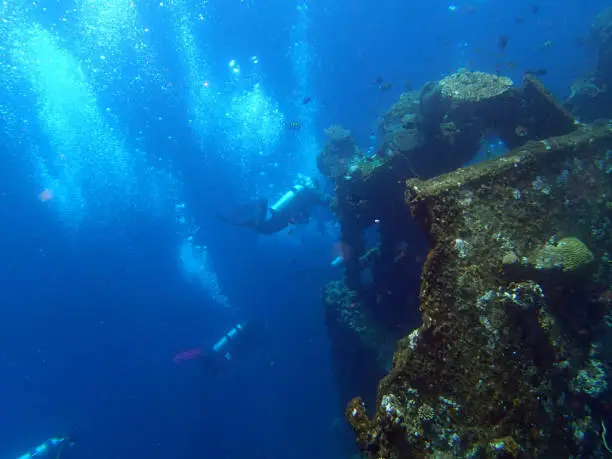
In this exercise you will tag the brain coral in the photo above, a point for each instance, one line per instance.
(569, 254)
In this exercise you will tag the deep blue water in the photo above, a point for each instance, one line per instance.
(93, 313)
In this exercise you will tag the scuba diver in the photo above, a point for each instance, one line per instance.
(241, 337)
(51, 448)
(292, 208)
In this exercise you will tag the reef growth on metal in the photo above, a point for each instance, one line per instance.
(512, 357)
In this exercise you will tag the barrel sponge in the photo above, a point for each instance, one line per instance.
(570, 254)
(465, 86)
(338, 152)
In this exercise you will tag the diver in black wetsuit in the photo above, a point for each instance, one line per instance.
(243, 336)
(292, 208)
(56, 447)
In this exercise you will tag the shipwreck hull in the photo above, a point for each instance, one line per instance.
(511, 359)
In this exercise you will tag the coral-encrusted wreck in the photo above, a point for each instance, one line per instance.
(512, 355)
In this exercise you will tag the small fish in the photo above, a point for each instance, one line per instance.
(408, 85)
(536, 72)
(519, 20)
(184, 356)
(306, 100)
(502, 42)
(382, 84)
(46, 195)
(580, 41)
(294, 125)
(535, 9)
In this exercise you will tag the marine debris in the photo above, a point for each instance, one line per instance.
(510, 355)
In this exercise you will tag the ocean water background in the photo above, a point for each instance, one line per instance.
(126, 128)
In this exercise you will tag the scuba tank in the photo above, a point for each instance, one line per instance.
(44, 448)
(286, 199)
(220, 347)
(337, 261)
